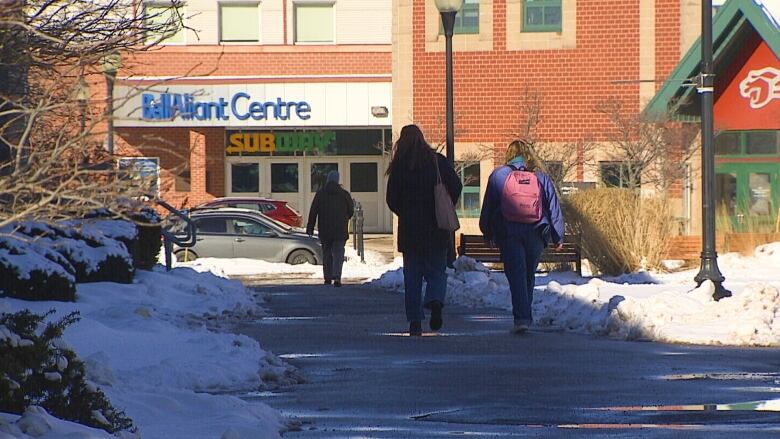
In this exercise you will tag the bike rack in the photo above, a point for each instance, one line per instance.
(169, 238)
(357, 231)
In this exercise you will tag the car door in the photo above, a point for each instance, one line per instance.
(212, 238)
(256, 240)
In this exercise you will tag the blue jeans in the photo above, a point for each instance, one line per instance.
(520, 254)
(431, 267)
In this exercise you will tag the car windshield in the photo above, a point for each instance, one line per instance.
(283, 226)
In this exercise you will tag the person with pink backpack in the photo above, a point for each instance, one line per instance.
(522, 216)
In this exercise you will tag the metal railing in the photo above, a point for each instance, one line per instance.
(357, 231)
(169, 238)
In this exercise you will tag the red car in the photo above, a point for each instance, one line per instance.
(279, 210)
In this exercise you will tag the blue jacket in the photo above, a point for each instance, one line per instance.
(495, 228)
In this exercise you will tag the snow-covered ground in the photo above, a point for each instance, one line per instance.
(650, 306)
(147, 346)
(353, 269)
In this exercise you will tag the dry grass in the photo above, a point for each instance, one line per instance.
(621, 231)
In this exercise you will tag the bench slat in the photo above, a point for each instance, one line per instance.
(474, 246)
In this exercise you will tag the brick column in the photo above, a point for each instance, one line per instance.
(197, 164)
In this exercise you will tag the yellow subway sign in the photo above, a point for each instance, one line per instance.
(249, 143)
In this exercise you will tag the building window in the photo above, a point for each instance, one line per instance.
(765, 143)
(618, 174)
(363, 177)
(314, 23)
(143, 172)
(555, 171)
(319, 174)
(244, 177)
(542, 16)
(164, 23)
(284, 178)
(466, 20)
(468, 204)
(239, 22)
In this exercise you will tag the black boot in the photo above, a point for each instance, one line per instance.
(336, 283)
(328, 281)
(436, 320)
(415, 328)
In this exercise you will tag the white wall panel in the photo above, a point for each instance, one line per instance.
(336, 99)
(363, 21)
(357, 103)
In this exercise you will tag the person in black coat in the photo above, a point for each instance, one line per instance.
(333, 206)
(411, 178)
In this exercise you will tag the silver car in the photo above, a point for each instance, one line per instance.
(245, 233)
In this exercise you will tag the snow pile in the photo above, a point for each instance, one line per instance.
(37, 423)
(148, 346)
(373, 267)
(660, 307)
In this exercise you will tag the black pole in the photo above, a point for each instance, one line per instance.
(448, 22)
(110, 111)
(706, 87)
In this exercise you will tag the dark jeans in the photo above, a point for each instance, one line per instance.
(333, 259)
(520, 254)
(430, 266)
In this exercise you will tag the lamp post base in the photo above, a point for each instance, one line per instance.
(709, 271)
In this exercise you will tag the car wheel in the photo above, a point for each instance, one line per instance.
(185, 255)
(301, 257)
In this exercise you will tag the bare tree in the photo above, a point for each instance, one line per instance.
(52, 161)
(645, 152)
(559, 160)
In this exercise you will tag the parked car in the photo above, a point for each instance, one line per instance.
(245, 233)
(279, 210)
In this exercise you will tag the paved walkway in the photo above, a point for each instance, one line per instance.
(364, 378)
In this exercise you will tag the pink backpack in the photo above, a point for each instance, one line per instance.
(521, 200)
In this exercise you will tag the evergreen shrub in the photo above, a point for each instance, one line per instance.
(32, 272)
(35, 369)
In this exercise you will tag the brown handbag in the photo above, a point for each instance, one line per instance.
(446, 218)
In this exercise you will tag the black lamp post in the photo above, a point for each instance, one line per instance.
(706, 87)
(110, 65)
(448, 9)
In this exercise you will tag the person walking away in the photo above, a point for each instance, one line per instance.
(412, 175)
(331, 210)
(522, 216)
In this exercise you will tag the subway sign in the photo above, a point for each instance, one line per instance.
(284, 141)
(241, 106)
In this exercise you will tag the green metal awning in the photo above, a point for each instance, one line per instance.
(733, 25)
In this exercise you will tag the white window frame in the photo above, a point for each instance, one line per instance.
(240, 3)
(159, 3)
(295, 4)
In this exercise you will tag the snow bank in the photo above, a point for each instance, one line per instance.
(642, 305)
(148, 346)
(373, 267)
(37, 423)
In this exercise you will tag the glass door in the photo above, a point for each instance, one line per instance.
(748, 196)
(284, 183)
(242, 176)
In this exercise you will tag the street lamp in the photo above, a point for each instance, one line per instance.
(706, 88)
(82, 96)
(448, 9)
(110, 64)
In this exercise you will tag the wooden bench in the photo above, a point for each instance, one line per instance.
(474, 247)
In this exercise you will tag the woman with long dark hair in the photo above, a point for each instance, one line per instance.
(412, 175)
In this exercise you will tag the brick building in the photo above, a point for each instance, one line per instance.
(571, 54)
(253, 98)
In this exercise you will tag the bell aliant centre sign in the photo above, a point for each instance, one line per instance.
(170, 106)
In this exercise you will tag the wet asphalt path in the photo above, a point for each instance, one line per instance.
(365, 379)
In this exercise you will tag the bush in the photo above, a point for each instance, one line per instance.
(31, 272)
(145, 244)
(621, 230)
(94, 259)
(35, 370)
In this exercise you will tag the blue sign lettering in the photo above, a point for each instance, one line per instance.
(169, 106)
